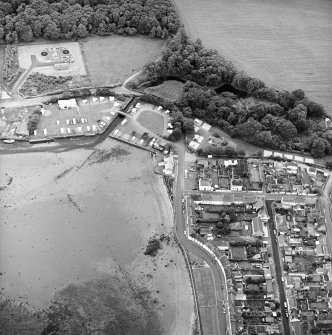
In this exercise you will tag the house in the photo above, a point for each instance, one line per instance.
(292, 168)
(65, 104)
(290, 201)
(262, 214)
(230, 162)
(281, 224)
(236, 184)
(169, 164)
(205, 231)
(257, 227)
(198, 122)
(205, 185)
(204, 163)
(312, 171)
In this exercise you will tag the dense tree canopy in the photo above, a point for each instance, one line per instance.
(24, 20)
(282, 123)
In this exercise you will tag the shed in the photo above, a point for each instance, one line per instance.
(65, 104)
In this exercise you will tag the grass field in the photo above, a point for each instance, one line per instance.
(114, 58)
(152, 121)
(285, 43)
(205, 289)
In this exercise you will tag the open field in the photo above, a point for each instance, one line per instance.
(40, 63)
(74, 227)
(286, 44)
(151, 120)
(114, 58)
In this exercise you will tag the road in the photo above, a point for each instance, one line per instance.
(326, 202)
(180, 227)
(278, 268)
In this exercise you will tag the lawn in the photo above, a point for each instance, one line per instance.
(152, 121)
(206, 297)
(170, 90)
(112, 59)
(285, 43)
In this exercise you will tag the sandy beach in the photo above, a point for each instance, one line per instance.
(78, 220)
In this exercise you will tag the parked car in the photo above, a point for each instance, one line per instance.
(222, 287)
(224, 310)
(78, 120)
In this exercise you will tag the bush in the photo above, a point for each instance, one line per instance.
(33, 120)
(38, 83)
(328, 165)
(10, 69)
(152, 247)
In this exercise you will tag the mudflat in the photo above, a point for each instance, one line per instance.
(74, 228)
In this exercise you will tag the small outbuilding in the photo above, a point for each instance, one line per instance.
(65, 104)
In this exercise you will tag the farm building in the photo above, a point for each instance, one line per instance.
(65, 104)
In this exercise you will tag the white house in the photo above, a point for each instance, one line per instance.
(292, 168)
(205, 185)
(230, 162)
(198, 122)
(65, 104)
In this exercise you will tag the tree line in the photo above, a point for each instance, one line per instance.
(277, 119)
(25, 20)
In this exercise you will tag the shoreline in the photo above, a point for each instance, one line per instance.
(99, 246)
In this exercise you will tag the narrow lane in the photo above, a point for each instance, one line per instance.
(279, 270)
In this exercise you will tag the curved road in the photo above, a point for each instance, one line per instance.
(180, 227)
